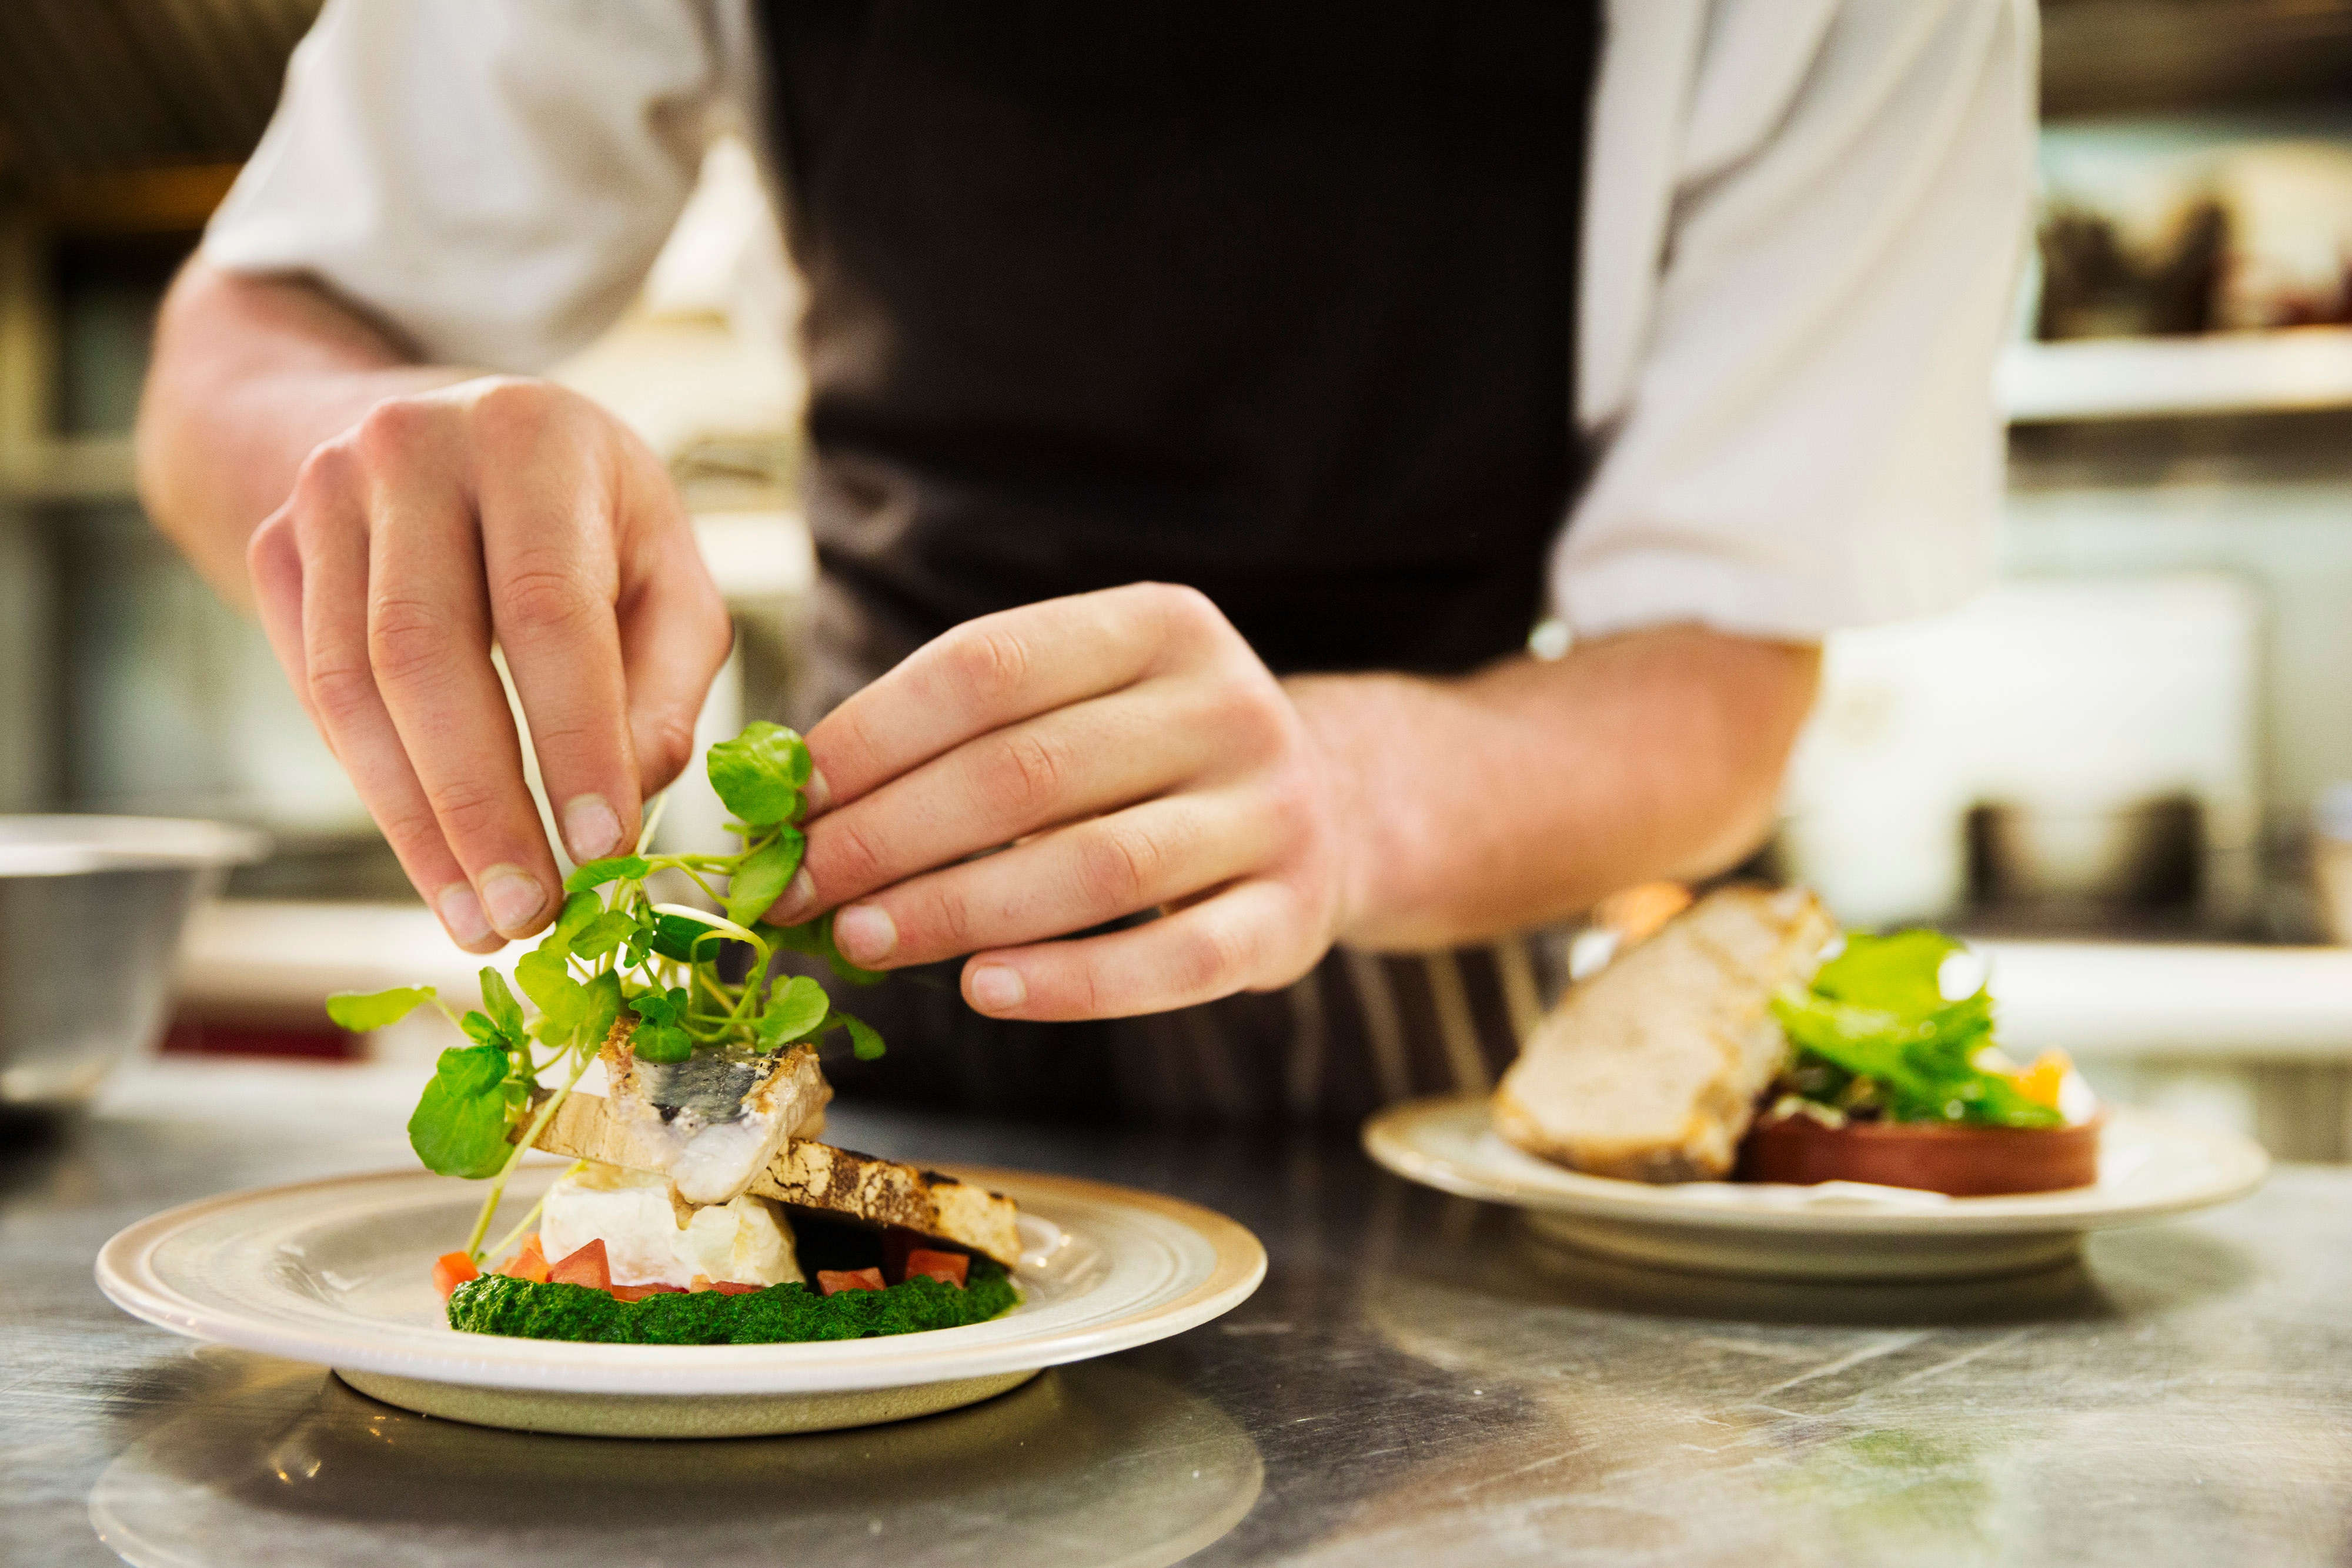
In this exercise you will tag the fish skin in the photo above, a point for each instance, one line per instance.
(711, 1124)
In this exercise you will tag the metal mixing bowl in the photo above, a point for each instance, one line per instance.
(91, 914)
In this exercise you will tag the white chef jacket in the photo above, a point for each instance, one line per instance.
(1804, 223)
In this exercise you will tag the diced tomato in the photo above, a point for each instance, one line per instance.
(947, 1268)
(528, 1263)
(585, 1267)
(452, 1270)
(724, 1287)
(832, 1281)
(639, 1292)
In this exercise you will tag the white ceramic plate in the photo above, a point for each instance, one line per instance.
(338, 1274)
(2149, 1167)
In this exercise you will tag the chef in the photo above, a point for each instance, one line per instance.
(1207, 403)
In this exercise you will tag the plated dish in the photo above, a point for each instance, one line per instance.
(337, 1274)
(1746, 1038)
(1747, 1090)
(2150, 1167)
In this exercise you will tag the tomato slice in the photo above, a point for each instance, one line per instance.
(947, 1268)
(585, 1267)
(832, 1281)
(452, 1270)
(528, 1263)
(724, 1287)
(639, 1292)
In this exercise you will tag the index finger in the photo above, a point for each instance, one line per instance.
(547, 550)
(986, 673)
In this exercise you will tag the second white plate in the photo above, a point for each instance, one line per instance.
(2149, 1167)
(338, 1274)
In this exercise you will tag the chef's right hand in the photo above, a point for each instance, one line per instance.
(508, 510)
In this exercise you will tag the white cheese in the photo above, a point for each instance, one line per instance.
(744, 1240)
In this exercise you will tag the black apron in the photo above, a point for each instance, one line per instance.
(1275, 299)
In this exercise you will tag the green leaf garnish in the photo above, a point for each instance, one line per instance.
(658, 1035)
(544, 974)
(863, 1041)
(363, 1012)
(795, 1010)
(674, 936)
(578, 909)
(459, 1127)
(499, 1002)
(763, 877)
(759, 774)
(1897, 974)
(596, 874)
(608, 933)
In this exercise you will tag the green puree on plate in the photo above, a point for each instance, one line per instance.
(779, 1314)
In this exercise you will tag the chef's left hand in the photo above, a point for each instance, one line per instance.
(1135, 755)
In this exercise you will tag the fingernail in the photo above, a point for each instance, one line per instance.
(997, 989)
(817, 793)
(799, 899)
(591, 829)
(461, 912)
(864, 933)
(513, 897)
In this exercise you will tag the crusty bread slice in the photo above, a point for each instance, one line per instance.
(806, 1175)
(1650, 1069)
(818, 1179)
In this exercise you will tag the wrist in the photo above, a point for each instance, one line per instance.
(1350, 727)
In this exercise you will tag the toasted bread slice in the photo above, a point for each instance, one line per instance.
(1650, 1069)
(818, 1179)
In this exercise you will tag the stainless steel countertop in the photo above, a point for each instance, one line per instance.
(1420, 1381)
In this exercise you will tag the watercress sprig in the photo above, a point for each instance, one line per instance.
(615, 953)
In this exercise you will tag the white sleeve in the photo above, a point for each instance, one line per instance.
(491, 178)
(1808, 438)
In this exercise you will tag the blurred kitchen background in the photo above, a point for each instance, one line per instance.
(2129, 769)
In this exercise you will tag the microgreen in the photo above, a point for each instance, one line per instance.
(1874, 1029)
(613, 954)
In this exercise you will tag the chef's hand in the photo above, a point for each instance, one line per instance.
(494, 509)
(1135, 755)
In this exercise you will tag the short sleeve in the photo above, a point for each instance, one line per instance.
(490, 178)
(1810, 440)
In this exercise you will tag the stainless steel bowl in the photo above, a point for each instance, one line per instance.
(91, 914)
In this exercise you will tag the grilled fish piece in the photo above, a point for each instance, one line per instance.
(710, 1122)
(805, 1176)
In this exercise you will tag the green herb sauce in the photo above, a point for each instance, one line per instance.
(780, 1314)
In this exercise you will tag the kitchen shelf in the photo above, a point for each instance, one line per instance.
(2108, 1000)
(2131, 378)
(76, 469)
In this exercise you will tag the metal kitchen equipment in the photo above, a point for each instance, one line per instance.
(91, 914)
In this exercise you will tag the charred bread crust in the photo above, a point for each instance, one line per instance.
(842, 1184)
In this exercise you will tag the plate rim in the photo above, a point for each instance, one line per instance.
(1384, 1140)
(125, 1275)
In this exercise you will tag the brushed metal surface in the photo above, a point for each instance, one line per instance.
(1421, 1380)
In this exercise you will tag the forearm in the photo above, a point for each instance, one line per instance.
(249, 374)
(1529, 791)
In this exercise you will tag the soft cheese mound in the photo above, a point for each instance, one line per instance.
(652, 1240)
